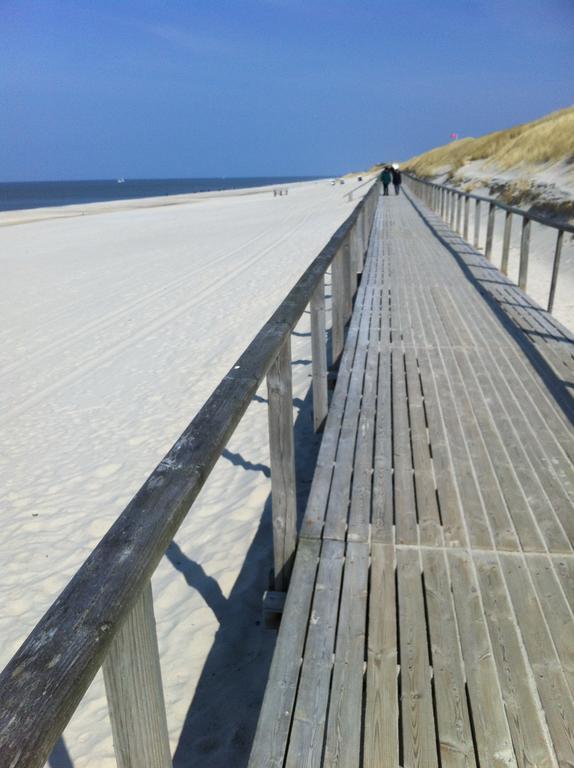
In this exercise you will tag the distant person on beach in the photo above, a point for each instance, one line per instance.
(397, 180)
(386, 177)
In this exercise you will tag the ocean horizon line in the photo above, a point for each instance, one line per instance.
(25, 195)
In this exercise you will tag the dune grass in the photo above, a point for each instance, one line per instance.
(545, 141)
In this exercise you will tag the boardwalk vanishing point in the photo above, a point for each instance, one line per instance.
(429, 619)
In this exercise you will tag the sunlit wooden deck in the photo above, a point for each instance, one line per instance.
(429, 619)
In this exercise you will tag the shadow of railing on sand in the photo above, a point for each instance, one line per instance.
(235, 672)
(60, 757)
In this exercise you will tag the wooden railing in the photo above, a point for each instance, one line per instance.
(104, 616)
(453, 205)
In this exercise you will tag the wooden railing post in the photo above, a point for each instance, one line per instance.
(476, 239)
(359, 234)
(132, 677)
(442, 202)
(466, 216)
(555, 268)
(319, 355)
(506, 243)
(282, 454)
(524, 253)
(347, 278)
(337, 307)
(452, 208)
(356, 263)
(458, 212)
(490, 231)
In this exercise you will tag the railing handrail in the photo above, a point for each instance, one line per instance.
(511, 209)
(351, 192)
(42, 685)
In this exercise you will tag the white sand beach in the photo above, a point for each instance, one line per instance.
(118, 322)
(117, 325)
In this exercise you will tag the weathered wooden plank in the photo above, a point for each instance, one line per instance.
(343, 737)
(134, 690)
(493, 740)
(313, 521)
(381, 745)
(520, 441)
(552, 687)
(282, 454)
(474, 514)
(382, 522)
(564, 567)
(453, 722)
(418, 727)
(359, 513)
(525, 715)
(534, 397)
(501, 523)
(336, 518)
(486, 411)
(404, 498)
(556, 611)
(307, 732)
(450, 505)
(270, 742)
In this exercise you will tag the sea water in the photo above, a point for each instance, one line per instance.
(19, 195)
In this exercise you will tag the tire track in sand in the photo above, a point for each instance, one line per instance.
(65, 339)
(90, 361)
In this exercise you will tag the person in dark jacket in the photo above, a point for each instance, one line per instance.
(396, 174)
(386, 177)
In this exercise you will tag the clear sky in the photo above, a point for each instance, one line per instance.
(182, 88)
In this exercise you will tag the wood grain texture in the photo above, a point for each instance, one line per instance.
(132, 677)
(270, 742)
(319, 355)
(382, 698)
(282, 454)
(343, 736)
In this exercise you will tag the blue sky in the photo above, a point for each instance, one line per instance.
(182, 88)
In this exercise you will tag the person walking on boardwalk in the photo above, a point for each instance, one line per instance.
(386, 179)
(397, 180)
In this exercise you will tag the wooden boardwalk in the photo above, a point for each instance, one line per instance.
(430, 616)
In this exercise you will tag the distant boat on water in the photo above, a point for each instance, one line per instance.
(121, 181)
